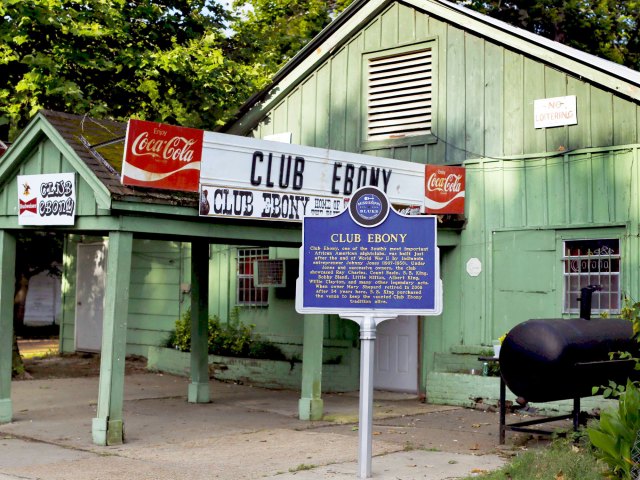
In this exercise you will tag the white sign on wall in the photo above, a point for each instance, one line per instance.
(244, 177)
(555, 112)
(48, 199)
(474, 267)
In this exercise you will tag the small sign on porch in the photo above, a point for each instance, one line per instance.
(48, 199)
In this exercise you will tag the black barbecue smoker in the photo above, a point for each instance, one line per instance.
(544, 360)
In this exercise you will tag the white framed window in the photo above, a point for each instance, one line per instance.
(247, 293)
(592, 262)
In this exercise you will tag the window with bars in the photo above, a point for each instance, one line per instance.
(246, 291)
(399, 94)
(592, 262)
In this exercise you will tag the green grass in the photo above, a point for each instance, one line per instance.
(301, 467)
(561, 460)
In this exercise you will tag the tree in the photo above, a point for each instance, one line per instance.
(36, 252)
(160, 60)
(606, 28)
(268, 33)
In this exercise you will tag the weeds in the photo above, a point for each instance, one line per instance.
(301, 467)
(563, 459)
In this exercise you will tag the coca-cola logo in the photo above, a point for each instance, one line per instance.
(444, 189)
(447, 184)
(175, 148)
(162, 156)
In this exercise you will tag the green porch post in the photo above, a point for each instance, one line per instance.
(310, 405)
(7, 285)
(199, 386)
(107, 427)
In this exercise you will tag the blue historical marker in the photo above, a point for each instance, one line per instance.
(369, 264)
(369, 258)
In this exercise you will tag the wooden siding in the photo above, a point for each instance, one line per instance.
(519, 211)
(484, 104)
(155, 300)
(155, 297)
(47, 158)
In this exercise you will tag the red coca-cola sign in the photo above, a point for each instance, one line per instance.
(444, 189)
(162, 156)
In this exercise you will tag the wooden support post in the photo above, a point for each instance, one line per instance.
(199, 386)
(107, 427)
(7, 286)
(310, 405)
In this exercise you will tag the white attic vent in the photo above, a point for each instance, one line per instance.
(399, 95)
(269, 273)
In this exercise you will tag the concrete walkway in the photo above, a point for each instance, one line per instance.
(245, 433)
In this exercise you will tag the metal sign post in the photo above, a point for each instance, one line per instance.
(369, 264)
(368, 326)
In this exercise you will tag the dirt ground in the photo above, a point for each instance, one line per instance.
(73, 365)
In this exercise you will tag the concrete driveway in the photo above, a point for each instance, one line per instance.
(244, 433)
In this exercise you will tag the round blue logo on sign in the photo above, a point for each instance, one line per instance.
(369, 207)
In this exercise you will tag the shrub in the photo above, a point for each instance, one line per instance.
(615, 434)
(225, 340)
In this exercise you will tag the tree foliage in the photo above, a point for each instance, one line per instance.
(193, 62)
(268, 33)
(160, 60)
(606, 28)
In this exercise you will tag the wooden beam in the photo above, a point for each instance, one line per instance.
(108, 425)
(7, 282)
(310, 405)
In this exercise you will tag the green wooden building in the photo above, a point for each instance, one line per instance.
(548, 208)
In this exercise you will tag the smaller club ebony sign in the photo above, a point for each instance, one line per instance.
(48, 199)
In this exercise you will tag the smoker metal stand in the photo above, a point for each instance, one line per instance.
(523, 426)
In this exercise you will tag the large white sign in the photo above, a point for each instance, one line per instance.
(555, 112)
(248, 178)
(48, 199)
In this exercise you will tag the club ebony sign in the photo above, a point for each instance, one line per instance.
(258, 179)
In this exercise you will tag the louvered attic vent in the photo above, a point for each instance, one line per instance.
(399, 95)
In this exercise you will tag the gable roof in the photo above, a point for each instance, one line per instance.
(95, 149)
(607, 74)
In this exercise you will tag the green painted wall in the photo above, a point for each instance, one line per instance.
(156, 299)
(527, 189)
(484, 98)
(156, 296)
(278, 321)
(46, 158)
(519, 213)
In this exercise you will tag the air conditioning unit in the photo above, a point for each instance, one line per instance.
(269, 273)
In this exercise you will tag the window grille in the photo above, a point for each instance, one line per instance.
(592, 262)
(246, 291)
(399, 95)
